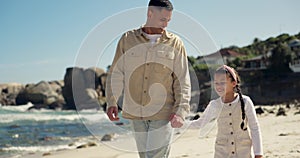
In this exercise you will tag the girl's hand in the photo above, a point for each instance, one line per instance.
(258, 156)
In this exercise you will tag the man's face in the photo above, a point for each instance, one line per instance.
(159, 18)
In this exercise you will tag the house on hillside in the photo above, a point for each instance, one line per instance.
(259, 62)
(220, 57)
(295, 46)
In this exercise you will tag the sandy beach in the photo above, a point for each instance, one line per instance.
(281, 139)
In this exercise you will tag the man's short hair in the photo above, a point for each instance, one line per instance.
(166, 4)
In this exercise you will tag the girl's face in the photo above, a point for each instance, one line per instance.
(223, 84)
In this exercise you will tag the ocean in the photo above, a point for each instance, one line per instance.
(24, 132)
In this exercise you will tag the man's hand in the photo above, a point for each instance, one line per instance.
(112, 113)
(176, 121)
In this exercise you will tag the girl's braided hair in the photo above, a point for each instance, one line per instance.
(235, 77)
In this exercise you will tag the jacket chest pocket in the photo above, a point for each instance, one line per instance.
(133, 60)
(164, 61)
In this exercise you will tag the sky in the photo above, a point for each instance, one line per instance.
(39, 39)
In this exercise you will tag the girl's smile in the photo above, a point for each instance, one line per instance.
(224, 87)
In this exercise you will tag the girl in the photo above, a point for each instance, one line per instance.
(234, 113)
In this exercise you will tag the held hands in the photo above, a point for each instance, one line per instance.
(176, 121)
(112, 113)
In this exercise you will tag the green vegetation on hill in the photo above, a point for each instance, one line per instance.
(279, 61)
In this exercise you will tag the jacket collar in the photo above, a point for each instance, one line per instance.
(165, 34)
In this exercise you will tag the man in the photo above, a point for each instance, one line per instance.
(150, 70)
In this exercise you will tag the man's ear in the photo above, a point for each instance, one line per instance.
(149, 13)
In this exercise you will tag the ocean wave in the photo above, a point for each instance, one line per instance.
(20, 108)
(95, 117)
(8, 118)
(37, 148)
(63, 143)
(11, 114)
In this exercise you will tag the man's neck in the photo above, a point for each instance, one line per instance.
(152, 30)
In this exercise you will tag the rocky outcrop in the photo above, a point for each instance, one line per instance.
(42, 95)
(9, 92)
(269, 89)
(84, 88)
(80, 89)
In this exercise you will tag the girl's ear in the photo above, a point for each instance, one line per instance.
(234, 83)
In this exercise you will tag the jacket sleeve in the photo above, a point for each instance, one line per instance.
(182, 84)
(254, 127)
(208, 120)
(115, 78)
